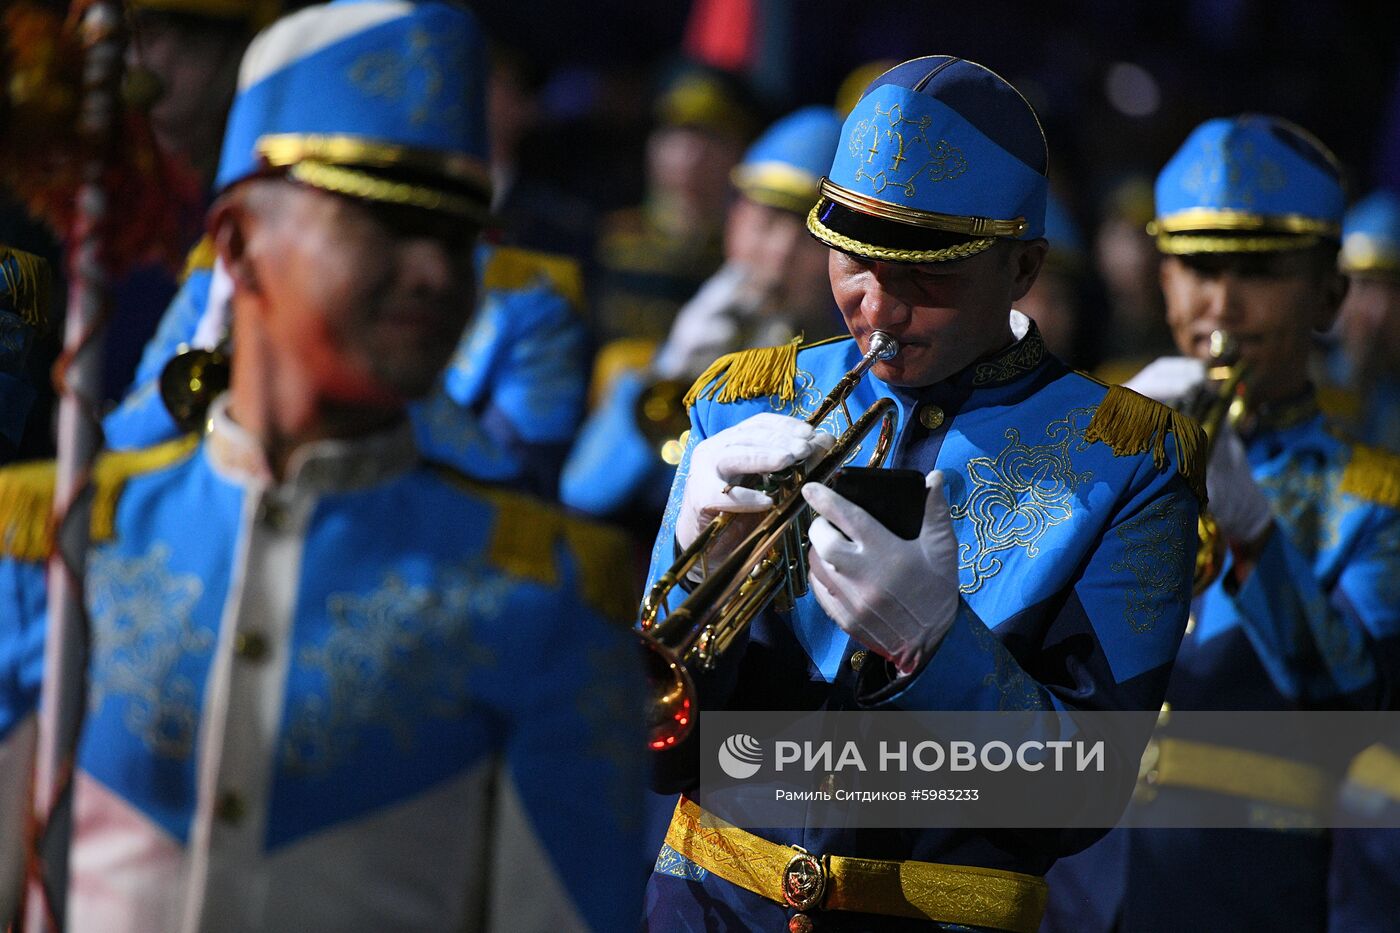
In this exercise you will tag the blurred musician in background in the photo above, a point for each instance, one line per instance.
(1305, 613)
(333, 684)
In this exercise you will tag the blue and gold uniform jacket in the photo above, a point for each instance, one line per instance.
(339, 702)
(1075, 523)
(505, 410)
(1315, 625)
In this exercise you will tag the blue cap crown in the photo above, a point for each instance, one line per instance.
(1066, 243)
(347, 92)
(784, 166)
(1371, 236)
(1250, 183)
(941, 144)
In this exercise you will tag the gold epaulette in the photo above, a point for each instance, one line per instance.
(1372, 474)
(1130, 423)
(27, 490)
(513, 268)
(29, 282)
(527, 533)
(1338, 404)
(200, 257)
(747, 374)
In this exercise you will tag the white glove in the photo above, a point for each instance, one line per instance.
(897, 597)
(1239, 507)
(764, 443)
(1168, 378)
(706, 327)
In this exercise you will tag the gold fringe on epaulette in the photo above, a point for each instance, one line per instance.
(202, 256)
(749, 374)
(29, 281)
(525, 540)
(27, 491)
(1373, 475)
(604, 560)
(513, 268)
(1130, 423)
(26, 501)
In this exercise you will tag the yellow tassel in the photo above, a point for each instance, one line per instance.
(512, 269)
(1130, 423)
(1372, 474)
(29, 282)
(27, 491)
(26, 501)
(201, 257)
(604, 560)
(749, 374)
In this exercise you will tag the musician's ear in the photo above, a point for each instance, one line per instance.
(229, 226)
(1027, 258)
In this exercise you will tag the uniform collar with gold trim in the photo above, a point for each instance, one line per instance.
(1272, 417)
(336, 465)
(988, 380)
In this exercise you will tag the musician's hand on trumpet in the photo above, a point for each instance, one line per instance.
(765, 443)
(897, 597)
(1240, 510)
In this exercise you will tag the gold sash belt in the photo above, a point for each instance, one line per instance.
(1237, 772)
(985, 897)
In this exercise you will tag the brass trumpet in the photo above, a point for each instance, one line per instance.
(769, 564)
(190, 382)
(1220, 401)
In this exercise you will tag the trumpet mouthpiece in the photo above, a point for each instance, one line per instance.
(883, 345)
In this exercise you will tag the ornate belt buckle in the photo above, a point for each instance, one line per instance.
(804, 880)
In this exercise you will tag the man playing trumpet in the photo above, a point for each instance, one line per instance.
(1030, 584)
(1305, 614)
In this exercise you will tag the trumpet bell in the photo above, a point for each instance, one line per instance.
(662, 418)
(670, 709)
(190, 382)
(1210, 553)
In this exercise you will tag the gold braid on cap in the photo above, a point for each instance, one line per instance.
(280, 150)
(1180, 244)
(1213, 218)
(885, 254)
(368, 187)
(932, 220)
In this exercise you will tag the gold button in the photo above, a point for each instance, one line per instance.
(858, 659)
(229, 807)
(250, 646)
(828, 784)
(800, 923)
(931, 417)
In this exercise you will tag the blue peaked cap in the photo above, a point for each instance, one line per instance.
(1251, 183)
(1371, 236)
(940, 157)
(378, 99)
(1066, 243)
(784, 166)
